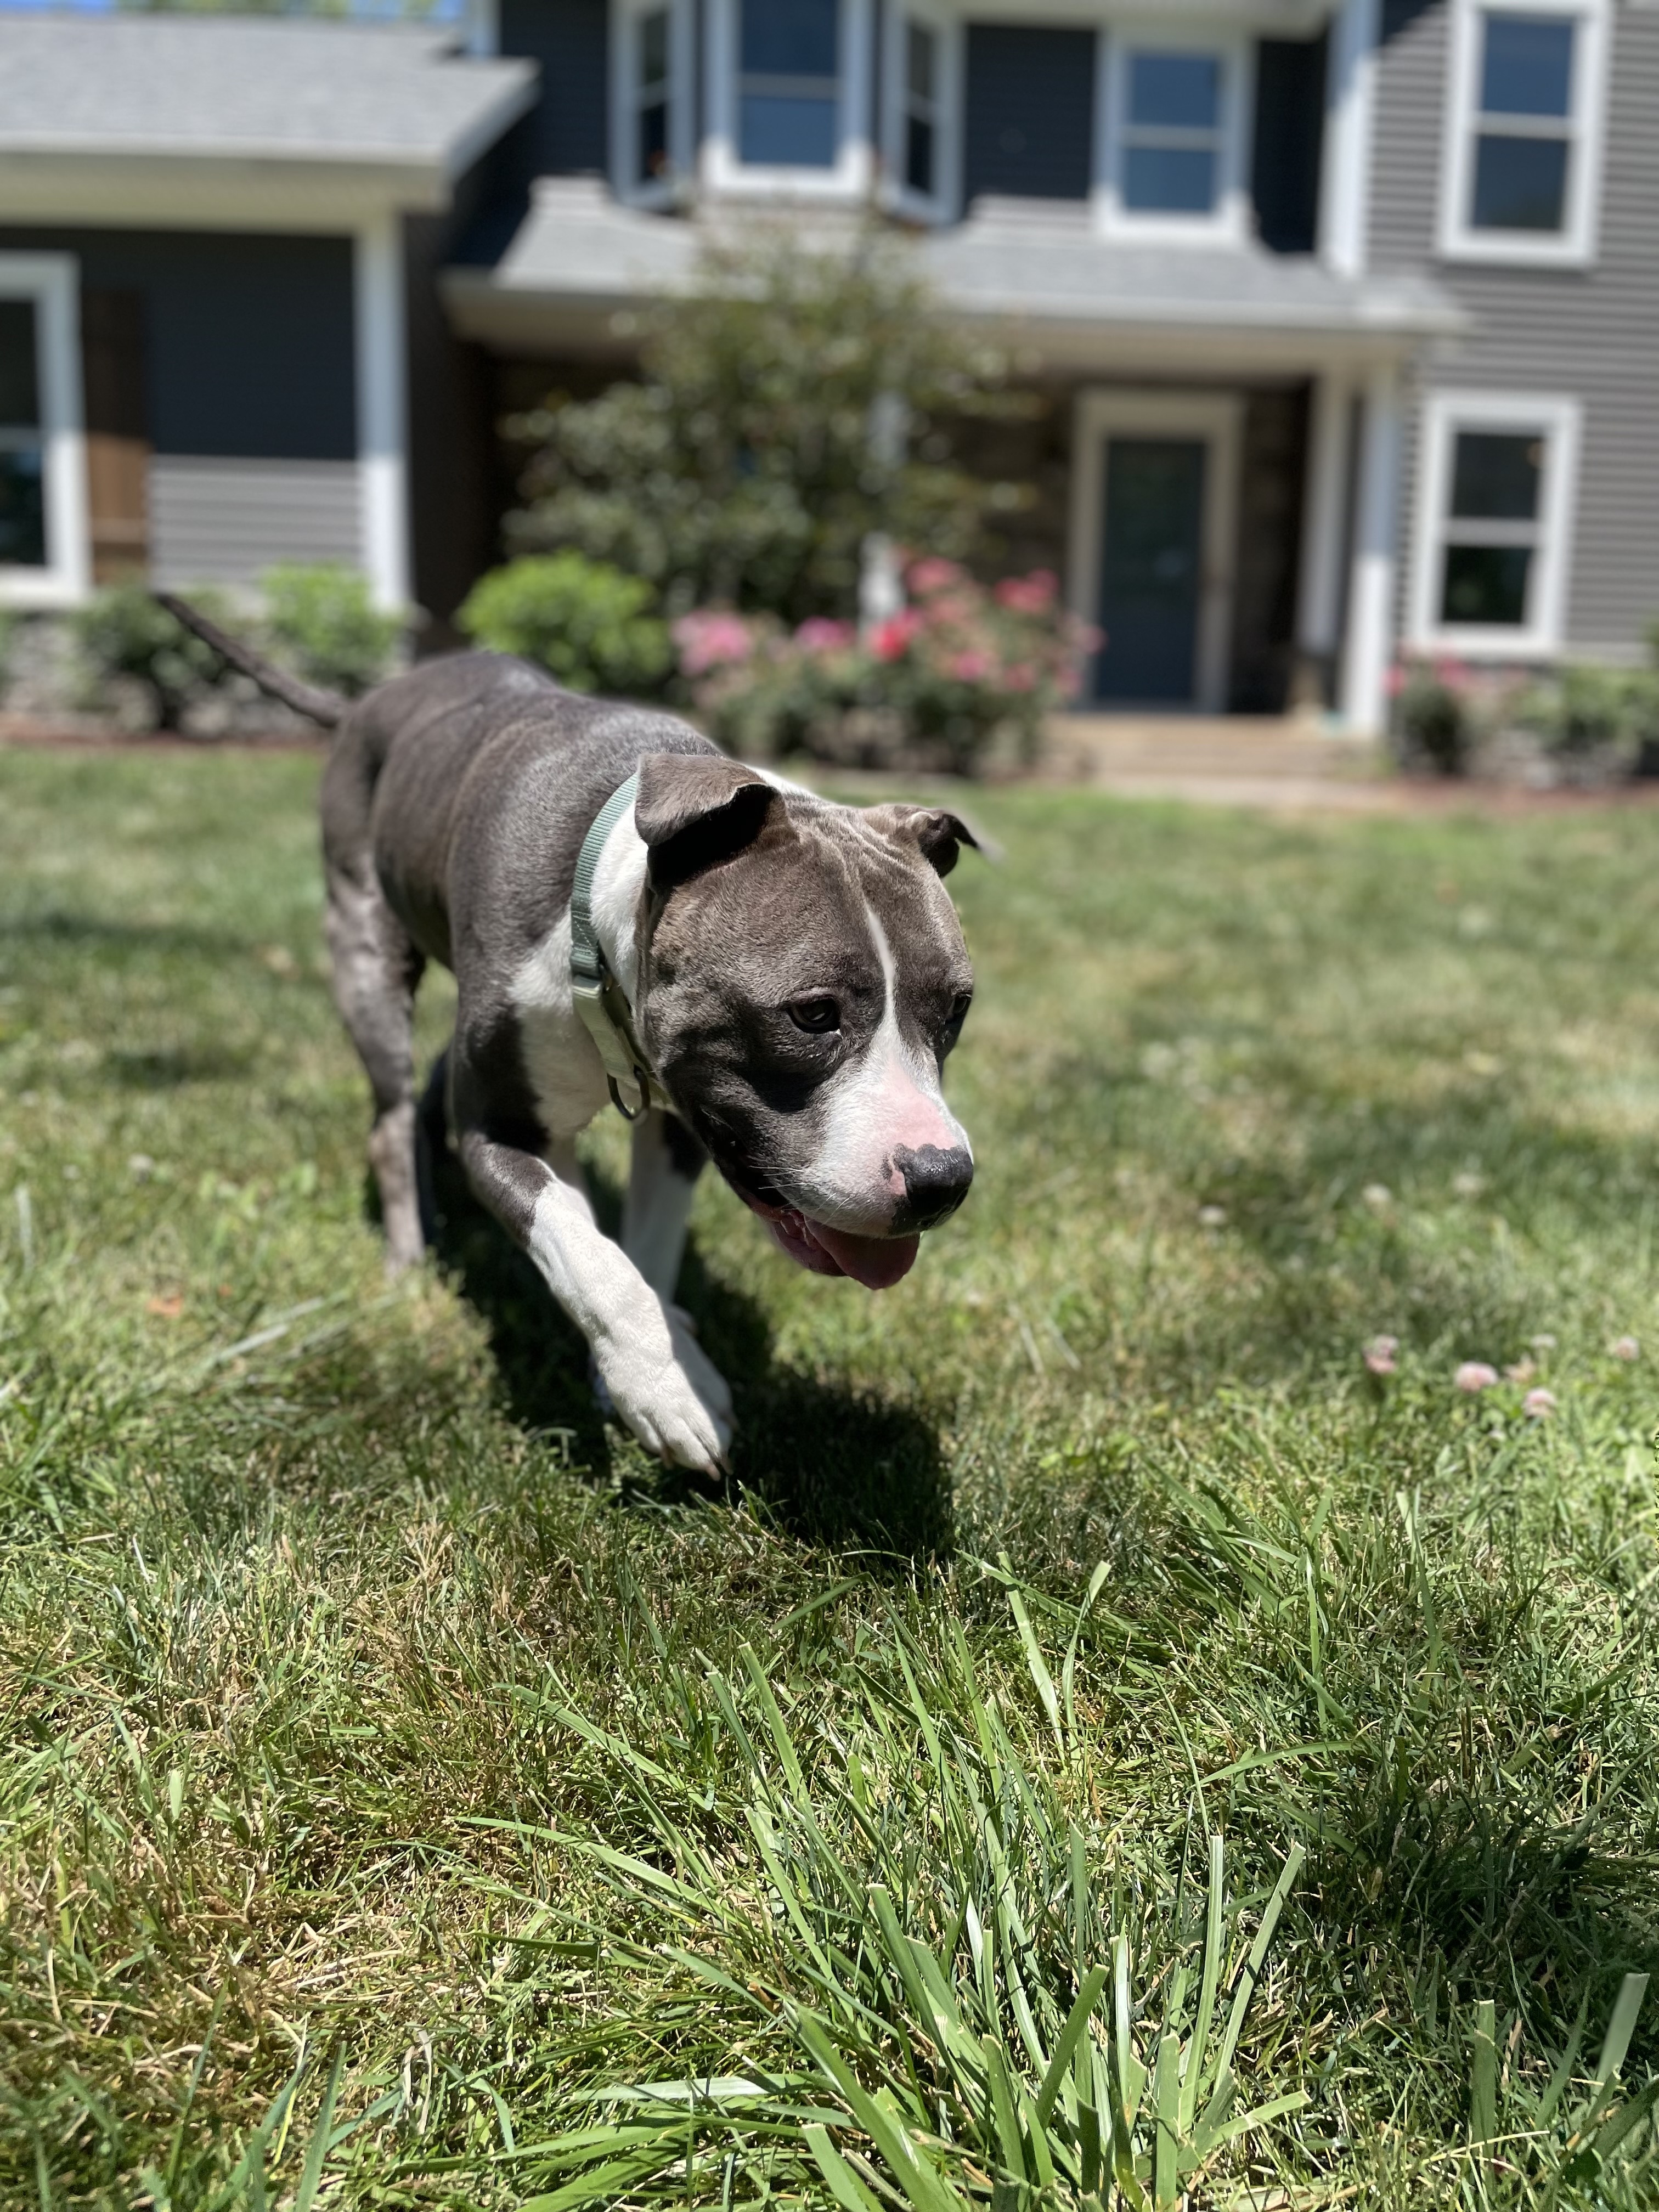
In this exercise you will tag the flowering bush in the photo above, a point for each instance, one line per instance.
(933, 686)
(1432, 715)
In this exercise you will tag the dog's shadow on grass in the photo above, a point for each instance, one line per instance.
(832, 1465)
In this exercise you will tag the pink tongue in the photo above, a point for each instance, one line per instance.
(878, 1262)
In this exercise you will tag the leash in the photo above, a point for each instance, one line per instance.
(601, 998)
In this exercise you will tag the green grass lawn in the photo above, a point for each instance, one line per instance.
(1104, 1713)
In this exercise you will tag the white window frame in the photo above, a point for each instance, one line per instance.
(625, 88)
(723, 169)
(1216, 418)
(942, 203)
(1557, 417)
(1229, 221)
(1574, 245)
(52, 282)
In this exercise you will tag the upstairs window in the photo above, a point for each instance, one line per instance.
(1174, 153)
(1495, 522)
(921, 108)
(1522, 159)
(788, 91)
(922, 77)
(788, 84)
(651, 55)
(1172, 134)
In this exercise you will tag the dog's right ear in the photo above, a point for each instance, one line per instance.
(696, 809)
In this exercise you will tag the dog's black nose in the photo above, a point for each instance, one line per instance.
(935, 1183)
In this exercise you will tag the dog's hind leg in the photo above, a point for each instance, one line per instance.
(377, 968)
(662, 1175)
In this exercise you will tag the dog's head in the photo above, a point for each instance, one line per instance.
(803, 977)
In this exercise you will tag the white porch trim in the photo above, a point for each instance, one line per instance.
(1319, 586)
(1350, 103)
(382, 409)
(1369, 645)
(1212, 417)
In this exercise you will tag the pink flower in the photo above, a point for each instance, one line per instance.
(1626, 1347)
(1475, 1374)
(1451, 673)
(819, 634)
(1539, 1404)
(1029, 595)
(1020, 676)
(969, 667)
(707, 640)
(892, 640)
(1379, 1354)
(932, 574)
(1397, 680)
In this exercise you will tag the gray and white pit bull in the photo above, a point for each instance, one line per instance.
(793, 975)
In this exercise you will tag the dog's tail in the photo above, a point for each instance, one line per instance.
(324, 707)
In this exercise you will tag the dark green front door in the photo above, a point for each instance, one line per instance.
(1151, 570)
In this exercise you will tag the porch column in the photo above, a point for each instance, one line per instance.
(1319, 587)
(382, 461)
(1371, 587)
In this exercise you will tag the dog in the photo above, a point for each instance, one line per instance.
(752, 973)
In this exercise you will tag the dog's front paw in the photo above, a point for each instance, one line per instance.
(677, 1406)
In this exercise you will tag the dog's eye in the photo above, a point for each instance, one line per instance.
(816, 1015)
(959, 1006)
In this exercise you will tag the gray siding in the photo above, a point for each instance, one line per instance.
(249, 339)
(1593, 333)
(228, 520)
(1028, 125)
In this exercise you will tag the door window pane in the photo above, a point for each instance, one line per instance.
(919, 155)
(1519, 184)
(1180, 90)
(1151, 570)
(920, 107)
(1526, 66)
(788, 86)
(20, 390)
(1496, 476)
(1486, 585)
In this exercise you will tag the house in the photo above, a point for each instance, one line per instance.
(1336, 314)
(219, 341)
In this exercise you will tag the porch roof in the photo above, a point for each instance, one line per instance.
(90, 104)
(581, 262)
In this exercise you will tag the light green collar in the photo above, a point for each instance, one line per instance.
(600, 999)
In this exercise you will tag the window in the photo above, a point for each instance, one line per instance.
(651, 121)
(1172, 134)
(922, 71)
(22, 439)
(788, 86)
(1174, 156)
(43, 501)
(1520, 172)
(1495, 518)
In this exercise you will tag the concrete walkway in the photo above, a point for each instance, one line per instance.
(1227, 760)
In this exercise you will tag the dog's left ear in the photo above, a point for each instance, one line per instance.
(940, 835)
(696, 809)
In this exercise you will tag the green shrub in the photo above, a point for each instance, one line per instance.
(1595, 719)
(122, 632)
(1432, 717)
(324, 622)
(584, 620)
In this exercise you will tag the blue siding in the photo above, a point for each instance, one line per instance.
(249, 341)
(1029, 128)
(566, 134)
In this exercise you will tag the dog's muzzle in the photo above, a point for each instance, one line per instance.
(935, 1183)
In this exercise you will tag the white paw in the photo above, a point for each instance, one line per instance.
(678, 1406)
